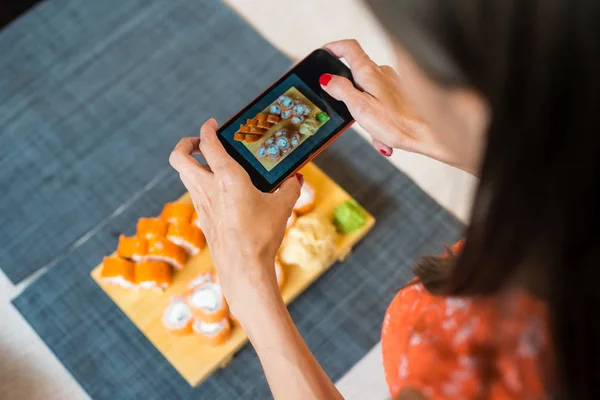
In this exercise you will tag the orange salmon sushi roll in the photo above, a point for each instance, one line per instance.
(306, 201)
(118, 271)
(291, 221)
(151, 228)
(195, 220)
(212, 333)
(132, 248)
(153, 274)
(162, 249)
(279, 274)
(207, 303)
(188, 236)
(175, 213)
(177, 317)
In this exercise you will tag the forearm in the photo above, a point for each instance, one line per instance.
(290, 368)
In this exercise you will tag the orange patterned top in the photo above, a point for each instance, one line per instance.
(467, 347)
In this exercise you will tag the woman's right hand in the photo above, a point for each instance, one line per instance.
(380, 107)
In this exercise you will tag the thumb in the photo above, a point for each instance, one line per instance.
(289, 191)
(342, 89)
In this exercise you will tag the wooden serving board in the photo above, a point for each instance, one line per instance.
(194, 361)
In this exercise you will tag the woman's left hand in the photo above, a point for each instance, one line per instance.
(243, 226)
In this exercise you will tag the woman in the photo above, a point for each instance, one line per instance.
(508, 91)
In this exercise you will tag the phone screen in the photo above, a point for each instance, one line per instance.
(284, 126)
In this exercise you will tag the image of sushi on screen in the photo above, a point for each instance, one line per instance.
(281, 127)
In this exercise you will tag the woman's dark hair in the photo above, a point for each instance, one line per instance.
(536, 215)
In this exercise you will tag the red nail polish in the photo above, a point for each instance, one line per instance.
(325, 79)
(385, 153)
(300, 178)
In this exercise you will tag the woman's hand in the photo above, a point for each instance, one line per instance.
(244, 229)
(243, 226)
(380, 107)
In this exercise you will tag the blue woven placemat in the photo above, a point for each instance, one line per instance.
(339, 316)
(93, 97)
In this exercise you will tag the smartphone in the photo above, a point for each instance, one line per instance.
(288, 124)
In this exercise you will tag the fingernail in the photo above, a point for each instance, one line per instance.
(325, 79)
(384, 152)
(300, 178)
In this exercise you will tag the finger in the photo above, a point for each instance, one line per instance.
(289, 191)
(342, 89)
(382, 148)
(181, 157)
(353, 53)
(212, 149)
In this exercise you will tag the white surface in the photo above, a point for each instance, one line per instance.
(28, 370)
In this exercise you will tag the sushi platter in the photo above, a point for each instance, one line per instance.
(164, 281)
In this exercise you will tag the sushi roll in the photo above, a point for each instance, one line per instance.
(251, 123)
(281, 132)
(261, 152)
(294, 140)
(118, 271)
(285, 114)
(273, 119)
(195, 220)
(283, 143)
(153, 275)
(244, 129)
(188, 236)
(298, 110)
(297, 119)
(207, 303)
(212, 333)
(201, 279)
(161, 249)
(175, 213)
(306, 111)
(132, 248)
(279, 274)
(269, 141)
(255, 130)
(149, 228)
(239, 137)
(306, 200)
(286, 103)
(252, 138)
(275, 109)
(291, 220)
(264, 124)
(273, 152)
(177, 317)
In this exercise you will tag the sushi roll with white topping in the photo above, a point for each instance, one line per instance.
(298, 110)
(261, 152)
(207, 303)
(275, 109)
(286, 103)
(306, 110)
(286, 114)
(283, 143)
(273, 152)
(294, 140)
(281, 132)
(214, 333)
(177, 317)
(306, 200)
(298, 119)
(269, 141)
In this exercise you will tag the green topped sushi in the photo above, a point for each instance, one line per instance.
(322, 117)
(349, 217)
